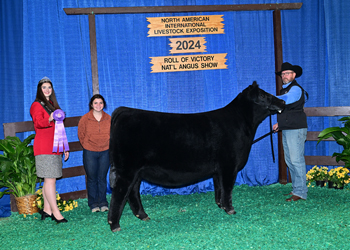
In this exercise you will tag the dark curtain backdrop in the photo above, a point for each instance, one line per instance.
(38, 39)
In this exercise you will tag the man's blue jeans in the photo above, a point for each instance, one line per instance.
(294, 147)
(96, 165)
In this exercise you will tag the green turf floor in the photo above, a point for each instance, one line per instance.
(264, 220)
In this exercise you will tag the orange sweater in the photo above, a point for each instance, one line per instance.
(94, 135)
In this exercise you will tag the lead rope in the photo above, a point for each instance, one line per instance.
(271, 140)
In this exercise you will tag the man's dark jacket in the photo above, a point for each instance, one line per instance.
(293, 116)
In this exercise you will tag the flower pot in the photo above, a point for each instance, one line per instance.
(320, 183)
(331, 184)
(25, 204)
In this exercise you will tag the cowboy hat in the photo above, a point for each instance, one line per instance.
(287, 66)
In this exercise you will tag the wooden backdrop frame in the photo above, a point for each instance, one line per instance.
(277, 28)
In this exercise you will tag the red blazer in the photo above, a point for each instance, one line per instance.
(44, 130)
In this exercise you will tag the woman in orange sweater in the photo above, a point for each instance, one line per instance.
(48, 164)
(94, 133)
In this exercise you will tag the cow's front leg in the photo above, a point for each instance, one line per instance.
(118, 200)
(217, 190)
(135, 202)
(226, 194)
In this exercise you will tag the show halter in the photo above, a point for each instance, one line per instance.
(60, 138)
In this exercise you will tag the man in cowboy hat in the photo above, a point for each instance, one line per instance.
(292, 122)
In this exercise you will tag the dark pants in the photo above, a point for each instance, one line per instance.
(96, 165)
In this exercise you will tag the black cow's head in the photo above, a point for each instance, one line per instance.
(266, 100)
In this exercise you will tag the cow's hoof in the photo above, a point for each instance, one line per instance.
(143, 216)
(115, 229)
(109, 222)
(231, 212)
(146, 219)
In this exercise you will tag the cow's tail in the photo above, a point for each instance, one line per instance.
(112, 176)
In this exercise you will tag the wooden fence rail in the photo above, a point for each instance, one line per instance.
(312, 135)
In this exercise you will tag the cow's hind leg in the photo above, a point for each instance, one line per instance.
(118, 200)
(135, 202)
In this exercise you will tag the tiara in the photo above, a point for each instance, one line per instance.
(45, 78)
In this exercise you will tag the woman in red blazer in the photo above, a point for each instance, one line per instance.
(48, 164)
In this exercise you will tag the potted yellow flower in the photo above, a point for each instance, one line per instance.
(62, 204)
(318, 175)
(338, 177)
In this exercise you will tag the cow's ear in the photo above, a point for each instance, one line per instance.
(253, 91)
(255, 84)
(256, 89)
(252, 86)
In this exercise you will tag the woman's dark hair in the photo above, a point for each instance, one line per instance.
(97, 96)
(40, 97)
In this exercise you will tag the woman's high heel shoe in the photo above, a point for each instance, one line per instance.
(58, 221)
(45, 215)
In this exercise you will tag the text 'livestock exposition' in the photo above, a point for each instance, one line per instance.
(185, 25)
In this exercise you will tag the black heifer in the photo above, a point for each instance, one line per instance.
(175, 150)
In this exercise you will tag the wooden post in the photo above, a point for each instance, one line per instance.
(282, 166)
(93, 52)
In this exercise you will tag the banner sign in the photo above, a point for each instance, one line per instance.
(188, 63)
(185, 25)
(187, 45)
